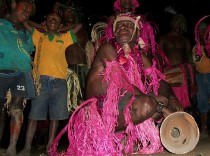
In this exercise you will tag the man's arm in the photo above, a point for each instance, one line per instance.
(166, 91)
(75, 28)
(30, 25)
(146, 61)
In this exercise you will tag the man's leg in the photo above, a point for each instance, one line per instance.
(31, 128)
(52, 133)
(204, 123)
(143, 107)
(2, 119)
(16, 111)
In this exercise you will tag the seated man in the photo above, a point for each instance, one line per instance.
(124, 99)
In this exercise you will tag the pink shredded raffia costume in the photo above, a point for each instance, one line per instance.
(182, 92)
(91, 128)
(206, 39)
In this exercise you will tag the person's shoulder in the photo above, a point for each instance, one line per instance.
(166, 36)
(37, 32)
(4, 21)
(72, 46)
(106, 46)
(106, 49)
(67, 33)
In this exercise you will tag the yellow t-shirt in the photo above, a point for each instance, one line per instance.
(50, 57)
(203, 66)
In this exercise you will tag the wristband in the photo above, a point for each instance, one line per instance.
(160, 107)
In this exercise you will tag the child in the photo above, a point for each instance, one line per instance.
(50, 69)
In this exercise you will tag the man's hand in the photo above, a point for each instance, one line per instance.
(174, 104)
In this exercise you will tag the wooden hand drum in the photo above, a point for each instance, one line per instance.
(179, 133)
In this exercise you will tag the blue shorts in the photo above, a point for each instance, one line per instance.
(203, 95)
(21, 84)
(52, 101)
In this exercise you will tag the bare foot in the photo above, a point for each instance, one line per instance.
(2, 152)
(204, 132)
(25, 152)
(11, 151)
(47, 149)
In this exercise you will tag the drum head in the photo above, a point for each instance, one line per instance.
(179, 133)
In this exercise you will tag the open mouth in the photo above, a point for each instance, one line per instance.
(52, 24)
(122, 33)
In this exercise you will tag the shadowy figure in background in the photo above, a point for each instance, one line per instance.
(15, 68)
(77, 58)
(5, 8)
(201, 57)
(177, 49)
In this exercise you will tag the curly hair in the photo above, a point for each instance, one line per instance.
(29, 1)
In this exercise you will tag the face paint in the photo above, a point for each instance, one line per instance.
(24, 11)
(124, 31)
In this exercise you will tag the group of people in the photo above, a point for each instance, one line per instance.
(114, 97)
(193, 61)
(41, 79)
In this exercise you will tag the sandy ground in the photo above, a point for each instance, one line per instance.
(202, 149)
(39, 142)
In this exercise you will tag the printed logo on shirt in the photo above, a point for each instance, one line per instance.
(22, 88)
(21, 47)
(59, 41)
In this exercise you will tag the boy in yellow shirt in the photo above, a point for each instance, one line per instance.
(50, 68)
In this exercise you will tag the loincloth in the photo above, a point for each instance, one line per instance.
(174, 77)
(91, 128)
(76, 79)
(184, 91)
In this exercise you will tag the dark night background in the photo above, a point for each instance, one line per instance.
(94, 10)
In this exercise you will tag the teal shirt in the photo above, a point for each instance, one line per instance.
(15, 47)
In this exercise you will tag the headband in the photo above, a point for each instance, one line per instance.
(127, 17)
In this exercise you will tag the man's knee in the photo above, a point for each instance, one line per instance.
(146, 105)
(16, 110)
